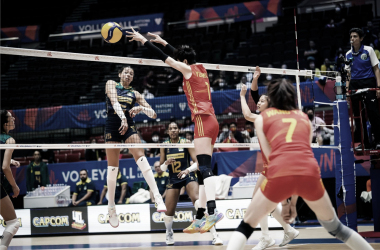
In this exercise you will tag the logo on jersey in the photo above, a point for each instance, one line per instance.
(364, 57)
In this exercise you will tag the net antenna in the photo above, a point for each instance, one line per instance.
(298, 64)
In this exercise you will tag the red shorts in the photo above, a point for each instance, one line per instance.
(278, 189)
(206, 126)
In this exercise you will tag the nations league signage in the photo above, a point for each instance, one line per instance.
(23, 216)
(146, 23)
(59, 220)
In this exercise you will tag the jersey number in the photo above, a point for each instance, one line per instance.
(208, 90)
(292, 127)
(176, 167)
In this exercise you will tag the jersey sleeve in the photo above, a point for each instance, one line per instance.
(91, 187)
(372, 56)
(76, 190)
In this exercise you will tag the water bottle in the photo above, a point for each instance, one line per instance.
(240, 181)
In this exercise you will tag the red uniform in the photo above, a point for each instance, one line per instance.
(292, 168)
(198, 94)
(265, 162)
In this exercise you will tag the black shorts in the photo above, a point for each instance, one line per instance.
(3, 193)
(179, 183)
(111, 132)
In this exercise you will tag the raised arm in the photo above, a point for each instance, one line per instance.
(180, 66)
(254, 85)
(144, 107)
(248, 115)
(170, 50)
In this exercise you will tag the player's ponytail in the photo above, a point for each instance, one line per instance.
(282, 95)
(185, 52)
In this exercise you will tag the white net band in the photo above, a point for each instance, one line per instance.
(140, 61)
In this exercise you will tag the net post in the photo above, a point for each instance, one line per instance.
(345, 180)
(298, 92)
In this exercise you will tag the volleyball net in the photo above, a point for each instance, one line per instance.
(58, 100)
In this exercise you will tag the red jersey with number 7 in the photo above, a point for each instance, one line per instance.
(288, 134)
(197, 90)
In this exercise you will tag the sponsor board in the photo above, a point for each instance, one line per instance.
(23, 216)
(234, 211)
(182, 218)
(132, 217)
(59, 220)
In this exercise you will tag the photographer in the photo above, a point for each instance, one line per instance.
(365, 73)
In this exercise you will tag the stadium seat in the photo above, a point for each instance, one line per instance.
(73, 157)
(60, 158)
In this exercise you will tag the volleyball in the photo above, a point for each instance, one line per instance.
(111, 32)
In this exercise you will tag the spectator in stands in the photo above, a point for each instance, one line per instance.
(311, 51)
(224, 134)
(84, 194)
(265, 78)
(147, 94)
(93, 154)
(162, 179)
(333, 25)
(369, 33)
(243, 81)
(37, 173)
(154, 152)
(235, 133)
(249, 132)
(365, 73)
(220, 82)
(47, 155)
(189, 136)
(311, 64)
(121, 193)
(187, 126)
(317, 129)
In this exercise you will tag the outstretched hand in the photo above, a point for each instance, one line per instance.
(136, 36)
(243, 90)
(257, 73)
(157, 39)
(289, 213)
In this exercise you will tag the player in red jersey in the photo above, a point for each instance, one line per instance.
(197, 89)
(285, 135)
(262, 104)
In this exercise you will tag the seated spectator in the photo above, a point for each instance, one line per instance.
(235, 133)
(37, 173)
(162, 180)
(189, 136)
(150, 83)
(311, 51)
(243, 81)
(311, 64)
(154, 152)
(370, 33)
(121, 193)
(93, 154)
(326, 66)
(84, 194)
(249, 132)
(47, 155)
(187, 126)
(317, 129)
(147, 95)
(224, 134)
(220, 82)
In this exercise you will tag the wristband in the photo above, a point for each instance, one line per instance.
(148, 111)
(119, 111)
(12, 162)
(164, 167)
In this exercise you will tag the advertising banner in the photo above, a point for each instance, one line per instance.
(23, 216)
(95, 114)
(132, 217)
(234, 211)
(146, 23)
(26, 34)
(234, 12)
(184, 215)
(59, 220)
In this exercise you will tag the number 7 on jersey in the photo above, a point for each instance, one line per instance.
(292, 127)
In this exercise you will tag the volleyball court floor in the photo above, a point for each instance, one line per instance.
(310, 238)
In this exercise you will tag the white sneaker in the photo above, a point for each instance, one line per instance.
(217, 241)
(160, 205)
(289, 236)
(169, 238)
(264, 243)
(114, 221)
